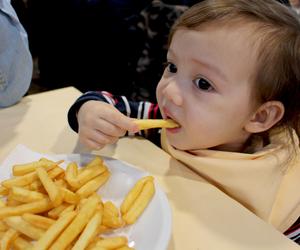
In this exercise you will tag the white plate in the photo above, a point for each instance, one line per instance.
(152, 231)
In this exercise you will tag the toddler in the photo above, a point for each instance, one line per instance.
(232, 83)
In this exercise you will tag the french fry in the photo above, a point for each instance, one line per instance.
(88, 173)
(104, 229)
(3, 226)
(97, 248)
(1, 236)
(38, 220)
(92, 243)
(76, 226)
(69, 196)
(89, 232)
(140, 203)
(125, 248)
(24, 195)
(111, 217)
(98, 197)
(36, 185)
(9, 236)
(81, 203)
(11, 202)
(53, 173)
(20, 181)
(155, 123)
(111, 208)
(112, 243)
(55, 229)
(21, 169)
(55, 212)
(22, 226)
(134, 193)
(53, 191)
(71, 174)
(93, 185)
(3, 190)
(97, 160)
(20, 244)
(112, 221)
(68, 209)
(61, 183)
(32, 207)
(100, 206)
(2, 203)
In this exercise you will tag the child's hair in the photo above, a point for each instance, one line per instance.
(277, 30)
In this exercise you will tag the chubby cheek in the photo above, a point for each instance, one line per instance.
(200, 131)
(187, 137)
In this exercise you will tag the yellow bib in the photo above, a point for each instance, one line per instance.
(266, 182)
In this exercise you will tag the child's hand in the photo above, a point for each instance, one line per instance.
(101, 123)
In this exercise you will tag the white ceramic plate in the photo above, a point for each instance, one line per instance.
(152, 231)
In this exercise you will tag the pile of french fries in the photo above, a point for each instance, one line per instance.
(44, 206)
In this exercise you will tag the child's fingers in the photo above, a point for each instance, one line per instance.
(95, 139)
(134, 127)
(115, 117)
(91, 143)
(101, 138)
(109, 129)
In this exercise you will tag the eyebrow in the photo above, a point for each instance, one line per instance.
(206, 65)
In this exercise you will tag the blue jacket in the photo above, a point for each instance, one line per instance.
(15, 58)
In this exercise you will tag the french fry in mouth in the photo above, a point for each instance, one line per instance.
(155, 123)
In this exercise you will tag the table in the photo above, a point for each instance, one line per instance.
(203, 217)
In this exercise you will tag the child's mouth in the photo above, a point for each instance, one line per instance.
(173, 130)
(168, 115)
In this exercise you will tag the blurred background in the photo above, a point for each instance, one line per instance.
(114, 45)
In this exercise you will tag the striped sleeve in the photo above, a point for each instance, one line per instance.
(139, 110)
(294, 232)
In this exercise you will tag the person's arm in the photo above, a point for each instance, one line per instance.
(140, 110)
(15, 58)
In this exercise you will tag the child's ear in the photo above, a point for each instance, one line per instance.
(265, 117)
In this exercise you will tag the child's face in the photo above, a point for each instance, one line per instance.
(206, 88)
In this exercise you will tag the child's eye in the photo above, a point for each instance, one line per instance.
(171, 67)
(203, 84)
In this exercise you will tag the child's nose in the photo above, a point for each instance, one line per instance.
(173, 93)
